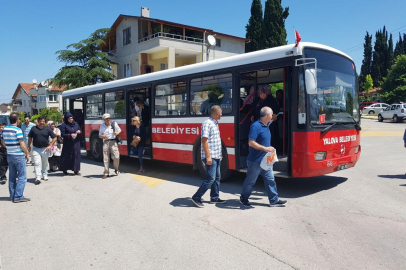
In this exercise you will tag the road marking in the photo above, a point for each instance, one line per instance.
(382, 133)
(150, 182)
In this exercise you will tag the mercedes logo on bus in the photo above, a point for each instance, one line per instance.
(342, 149)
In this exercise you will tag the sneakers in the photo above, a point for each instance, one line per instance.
(38, 181)
(23, 199)
(105, 176)
(198, 202)
(3, 181)
(45, 178)
(116, 172)
(218, 201)
(245, 202)
(279, 203)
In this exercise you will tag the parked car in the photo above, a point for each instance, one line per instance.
(365, 104)
(374, 108)
(5, 119)
(397, 112)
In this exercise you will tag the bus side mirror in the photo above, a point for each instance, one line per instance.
(311, 81)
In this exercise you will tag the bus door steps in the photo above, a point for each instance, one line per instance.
(143, 157)
(278, 174)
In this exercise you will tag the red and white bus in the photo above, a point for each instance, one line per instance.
(317, 131)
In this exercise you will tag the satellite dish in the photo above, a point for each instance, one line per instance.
(44, 83)
(211, 39)
(34, 81)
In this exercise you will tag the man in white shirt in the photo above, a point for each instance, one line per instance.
(109, 133)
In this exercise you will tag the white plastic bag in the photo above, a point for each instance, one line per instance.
(268, 160)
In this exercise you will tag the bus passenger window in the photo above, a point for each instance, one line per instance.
(209, 91)
(170, 99)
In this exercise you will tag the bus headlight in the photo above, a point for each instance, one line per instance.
(357, 149)
(320, 156)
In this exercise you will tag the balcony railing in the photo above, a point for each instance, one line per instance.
(171, 36)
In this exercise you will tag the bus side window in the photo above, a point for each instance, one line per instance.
(301, 109)
(170, 99)
(208, 91)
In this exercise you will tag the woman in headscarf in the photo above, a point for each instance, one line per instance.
(56, 150)
(70, 158)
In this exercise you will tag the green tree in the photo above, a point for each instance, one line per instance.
(366, 63)
(51, 115)
(273, 29)
(368, 83)
(394, 85)
(86, 64)
(399, 50)
(254, 27)
(389, 55)
(379, 56)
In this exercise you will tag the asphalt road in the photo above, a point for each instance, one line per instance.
(352, 219)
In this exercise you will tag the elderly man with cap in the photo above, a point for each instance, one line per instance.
(109, 130)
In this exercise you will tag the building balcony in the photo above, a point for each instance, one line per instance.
(171, 36)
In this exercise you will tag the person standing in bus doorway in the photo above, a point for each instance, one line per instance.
(26, 128)
(259, 144)
(17, 156)
(109, 133)
(3, 157)
(211, 154)
(70, 156)
(39, 136)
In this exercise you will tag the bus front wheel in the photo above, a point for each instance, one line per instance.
(224, 170)
(96, 148)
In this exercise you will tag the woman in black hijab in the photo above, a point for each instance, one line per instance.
(70, 157)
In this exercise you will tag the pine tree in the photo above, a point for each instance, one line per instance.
(404, 43)
(254, 27)
(86, 64)
(366, 63)
(380, 56)
(390, 57)
(399, 50)
(273, 30)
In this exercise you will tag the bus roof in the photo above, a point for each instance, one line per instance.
(232, 61)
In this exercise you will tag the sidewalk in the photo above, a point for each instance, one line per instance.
(369, 116)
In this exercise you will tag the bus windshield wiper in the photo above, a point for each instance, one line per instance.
(329, 127)
(357, 126)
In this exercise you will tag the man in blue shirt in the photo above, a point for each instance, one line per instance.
(26, 128)
(259, 145)
(17, 155)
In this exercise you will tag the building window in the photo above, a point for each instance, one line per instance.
(164, 66)
(42, 98)
(170, 99)
(218, 42)
(208, 91)
(127, 36)
(127, 70)
(94, 106)
(114, 104)
(53, 98)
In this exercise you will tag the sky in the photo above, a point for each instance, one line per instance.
(32, 31)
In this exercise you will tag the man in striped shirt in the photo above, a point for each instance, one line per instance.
(17, 156)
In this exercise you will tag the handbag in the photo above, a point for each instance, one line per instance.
(135, 142)
(59, 139)
(118, 138)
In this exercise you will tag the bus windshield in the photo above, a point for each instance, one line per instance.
(336, 100)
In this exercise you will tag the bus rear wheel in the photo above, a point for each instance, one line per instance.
(224, 170)
(96, 148)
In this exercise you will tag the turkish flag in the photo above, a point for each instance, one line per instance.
(298, 38)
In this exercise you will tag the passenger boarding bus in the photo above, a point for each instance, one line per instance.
(317, 131)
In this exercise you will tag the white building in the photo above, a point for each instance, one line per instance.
(44, 96)
(22, 98)
(140, 45)
(31, 98)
